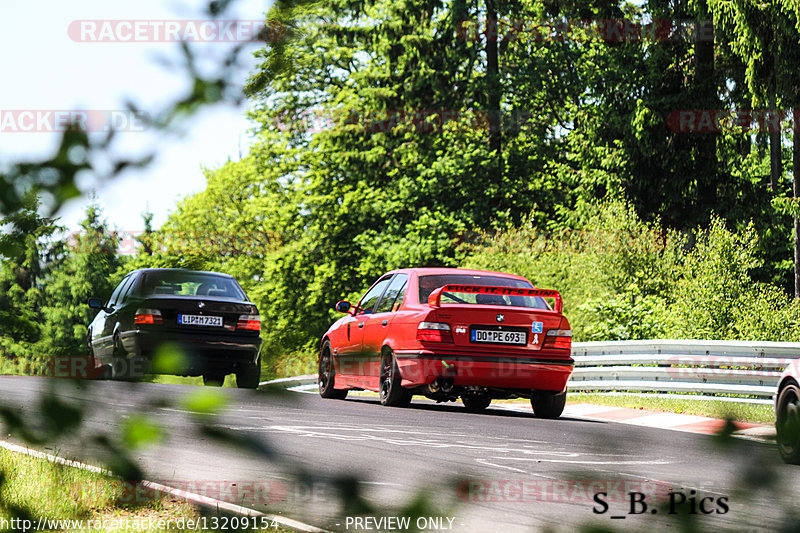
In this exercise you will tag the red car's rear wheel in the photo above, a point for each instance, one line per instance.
(476, 403)
(327, 375)
(392, 393)
(548, 404)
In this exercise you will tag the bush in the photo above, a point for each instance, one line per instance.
(622, 278)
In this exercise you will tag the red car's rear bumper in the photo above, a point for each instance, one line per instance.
(543, 371)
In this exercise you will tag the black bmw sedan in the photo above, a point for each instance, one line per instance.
(203, 320)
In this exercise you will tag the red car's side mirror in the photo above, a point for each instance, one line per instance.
(343, 306)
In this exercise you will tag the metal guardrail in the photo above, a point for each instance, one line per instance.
(717, 368)
(712, 368)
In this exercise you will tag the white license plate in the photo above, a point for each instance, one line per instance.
(200, 320)
(498, 337)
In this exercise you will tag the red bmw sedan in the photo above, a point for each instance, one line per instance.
(450, 333)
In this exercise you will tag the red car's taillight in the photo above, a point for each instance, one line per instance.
(147, 316)
(558, 338)
(251, 322)
(434, 332)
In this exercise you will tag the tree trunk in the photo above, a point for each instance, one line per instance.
(775, 159)
(493, 83)
(795, 191)
(706, 90)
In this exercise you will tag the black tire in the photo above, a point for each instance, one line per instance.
(787, 423)
(548, 404)
(98, 370)
(249, 376)
(476, 403)
(327, 375)
(392, 393)
(120, 365)
(214, 379)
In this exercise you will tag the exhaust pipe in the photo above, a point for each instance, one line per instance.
(445, 384)
(441, 384)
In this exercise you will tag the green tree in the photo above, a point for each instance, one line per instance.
(87, 270)
(26, 252)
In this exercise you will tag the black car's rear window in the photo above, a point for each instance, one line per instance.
(428, 284)
(171, 283)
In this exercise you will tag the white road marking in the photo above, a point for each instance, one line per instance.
(487, 463)
(584, 462)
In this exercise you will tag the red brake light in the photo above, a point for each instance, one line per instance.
(560, 339)
(434, 332)
(251, 322)
(147, 316)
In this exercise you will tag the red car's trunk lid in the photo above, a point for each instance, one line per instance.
(498, 327)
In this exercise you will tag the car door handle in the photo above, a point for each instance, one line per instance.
(384, 322)
(361, 324)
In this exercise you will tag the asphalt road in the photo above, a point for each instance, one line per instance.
(497, 471)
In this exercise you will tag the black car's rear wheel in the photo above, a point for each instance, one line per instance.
(214, 379)
(249, 376)
(787, 423)
(476, 403)
(547, 404)
(120, 364)
(392, 393)
(327, 375)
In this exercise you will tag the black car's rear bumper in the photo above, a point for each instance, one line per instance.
(195, 353)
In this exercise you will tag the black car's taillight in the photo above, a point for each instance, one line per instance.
(251, 322)
(434, 332)
(147, 316)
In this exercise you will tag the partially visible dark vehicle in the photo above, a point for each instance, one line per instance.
(205, 315)
(787, 414)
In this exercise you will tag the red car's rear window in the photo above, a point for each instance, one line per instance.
(428, 284)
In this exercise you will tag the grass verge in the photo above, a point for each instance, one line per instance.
(37, 489)
(230, 380)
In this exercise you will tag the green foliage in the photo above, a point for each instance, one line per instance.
(87, 270)
(622, 278)
(613, 265)
(716, 296)
(46, 284)
(26, 249)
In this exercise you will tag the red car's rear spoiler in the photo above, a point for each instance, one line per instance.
(436, 296)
